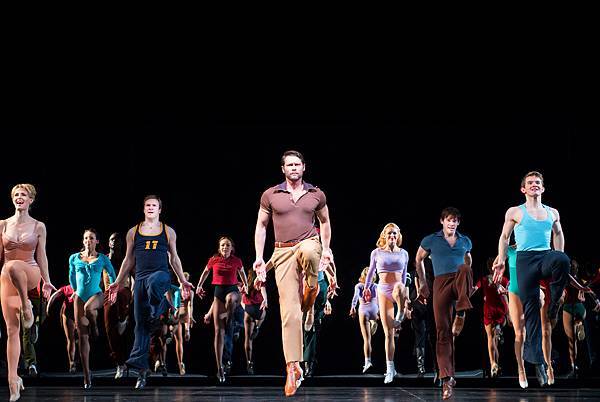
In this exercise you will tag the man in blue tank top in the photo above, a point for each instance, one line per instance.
(151, 248)
(534, 224)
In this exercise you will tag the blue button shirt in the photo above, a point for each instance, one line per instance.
(446, 259)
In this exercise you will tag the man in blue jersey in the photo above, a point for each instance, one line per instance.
(151, 248)
(535, 225)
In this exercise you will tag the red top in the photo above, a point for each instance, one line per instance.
(68, 292)
(255, 297)
(224, 269)
(490, 291)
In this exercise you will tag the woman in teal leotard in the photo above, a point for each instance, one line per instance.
(85, 276)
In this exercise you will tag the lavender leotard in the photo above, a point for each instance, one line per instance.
(387, 261)
(370, 309)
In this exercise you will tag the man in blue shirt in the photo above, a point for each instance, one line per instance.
(450, 254)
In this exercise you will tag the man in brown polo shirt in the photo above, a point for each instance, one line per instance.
(299, 250)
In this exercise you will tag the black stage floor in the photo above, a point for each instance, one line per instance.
(241, 394)
(471, 379)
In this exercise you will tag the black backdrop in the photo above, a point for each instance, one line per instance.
(93, 169)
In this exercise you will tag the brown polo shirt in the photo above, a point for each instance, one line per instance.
(293, 221)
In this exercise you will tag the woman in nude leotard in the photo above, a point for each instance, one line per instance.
(23, 248)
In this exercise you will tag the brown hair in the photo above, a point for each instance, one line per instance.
(219, 244)
(291, 153)
(450, 211)
(532, 173)
(153, 197)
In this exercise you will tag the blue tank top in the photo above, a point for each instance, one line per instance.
(531, 234)
(150, 252)
(513, 284)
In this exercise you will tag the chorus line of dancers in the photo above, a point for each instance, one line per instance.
(306, 278)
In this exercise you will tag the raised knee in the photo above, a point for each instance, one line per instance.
(563, 260)
(11, 268)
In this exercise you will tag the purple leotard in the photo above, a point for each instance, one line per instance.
(370, 309)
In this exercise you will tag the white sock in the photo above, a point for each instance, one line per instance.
(367, 360)
(389, 366)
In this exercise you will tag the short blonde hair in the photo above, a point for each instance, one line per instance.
(363, 276)
(381, 242)
(27, 187)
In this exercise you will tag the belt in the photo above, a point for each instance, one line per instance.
(279, 244)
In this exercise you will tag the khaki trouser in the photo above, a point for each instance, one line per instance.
(289, 264)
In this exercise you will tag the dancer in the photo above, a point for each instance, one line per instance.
(451, 257)
(23, 249)
(368, 314)
(574, 314)
(390, 261)
(64, 296)
(495, 310)
(184, 315)
(29, 336)
(85, 277)
(151, 248)
(225, 267)
(255, 304)
(423, 323)
(313, 320)
(298, 248)
(116, 315)
(534, 224)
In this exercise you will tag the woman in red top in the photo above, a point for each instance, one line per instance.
(64, 295)
(255, 305)
(495, 310)
(225, 267)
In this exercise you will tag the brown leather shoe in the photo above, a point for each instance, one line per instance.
(294, 378)
(308, 297)
(457, 326)
(447, 388)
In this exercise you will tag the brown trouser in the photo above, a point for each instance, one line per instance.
(289, 264)
(448, 288)
(113, 313)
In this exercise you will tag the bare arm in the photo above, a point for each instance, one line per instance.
(2, 223)
(423, 289)
(468, 259)
(129, 260)
(325, 230)
(558, 240)
(507, 229)
(42, 260)
(510, 220)
(174, 259)
(203, 277)
(260, 235)
(242, 275)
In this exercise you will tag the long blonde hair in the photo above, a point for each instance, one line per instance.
(381, 242)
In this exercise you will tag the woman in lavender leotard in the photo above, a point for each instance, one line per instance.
(390, 261)
(368, 314)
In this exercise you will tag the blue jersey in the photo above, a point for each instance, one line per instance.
(150, 252)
